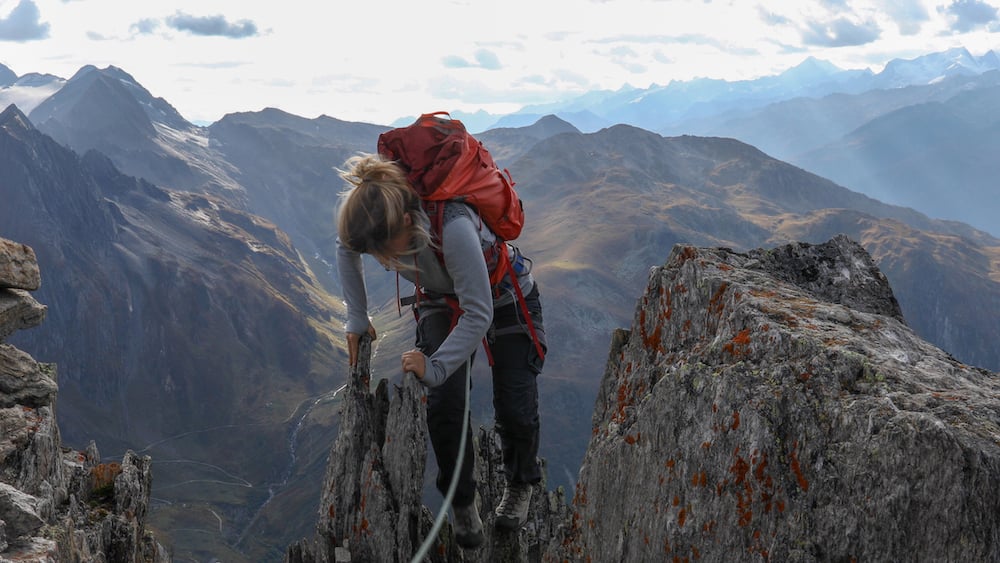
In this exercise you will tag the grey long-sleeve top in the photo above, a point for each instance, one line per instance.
(464, 275)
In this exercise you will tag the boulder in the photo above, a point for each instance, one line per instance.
(18, 266)
(773, 405)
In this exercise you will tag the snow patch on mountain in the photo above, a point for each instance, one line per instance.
(30, 90)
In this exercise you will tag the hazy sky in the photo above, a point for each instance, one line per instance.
(378, 60)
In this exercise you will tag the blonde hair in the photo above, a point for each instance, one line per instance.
(373, 208)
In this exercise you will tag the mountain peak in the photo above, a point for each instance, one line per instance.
(7, 76)
(110, 70)
(813, 66)
(84, 70)
(120, 84)
(550, 125)
(932, 67)
(13, 118)
(989, 59)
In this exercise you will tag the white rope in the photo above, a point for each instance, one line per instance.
(443, 512)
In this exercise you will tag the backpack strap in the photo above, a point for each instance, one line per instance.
(504, 266)
(435, 213)
(503, 269)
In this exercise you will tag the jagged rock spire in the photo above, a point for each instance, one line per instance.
(371, 502)
(56, 504)
(13, 120)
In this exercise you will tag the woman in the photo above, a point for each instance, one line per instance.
(382, 215)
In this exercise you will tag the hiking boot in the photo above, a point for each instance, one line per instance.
(512, 512)
(468, 526)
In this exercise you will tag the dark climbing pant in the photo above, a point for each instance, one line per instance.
(515, 398)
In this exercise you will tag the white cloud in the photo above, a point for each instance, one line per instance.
(487, 59)
(840, 32)
(212, 25)
(484, 58)
(968, 15)
(908, 15)
(771, 18)
(23, 23)
(313, 58)
(145, 26)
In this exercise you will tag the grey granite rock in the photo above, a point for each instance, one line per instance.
(774, 406)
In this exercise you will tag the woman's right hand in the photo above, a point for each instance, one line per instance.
(353, 341)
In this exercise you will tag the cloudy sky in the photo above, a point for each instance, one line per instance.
(377, 61)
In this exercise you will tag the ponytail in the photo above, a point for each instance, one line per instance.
(373, 208)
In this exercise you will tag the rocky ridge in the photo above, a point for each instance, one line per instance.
(767, 405)
(57, 504)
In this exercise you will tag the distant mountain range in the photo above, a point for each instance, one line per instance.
(821, 118)
(658, 107)
(224, 235)
(809, 115)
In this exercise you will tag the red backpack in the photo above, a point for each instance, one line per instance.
(443, 162)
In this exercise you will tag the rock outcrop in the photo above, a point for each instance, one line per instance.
(773, 405)
(57, 504)
(371, 505)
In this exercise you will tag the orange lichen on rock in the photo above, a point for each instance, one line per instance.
(739, 345)
(652, 341)
(103, 474)
(796, 468)
(687, 253)
(716, 304)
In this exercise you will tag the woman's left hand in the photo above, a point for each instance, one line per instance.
(414, 361)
